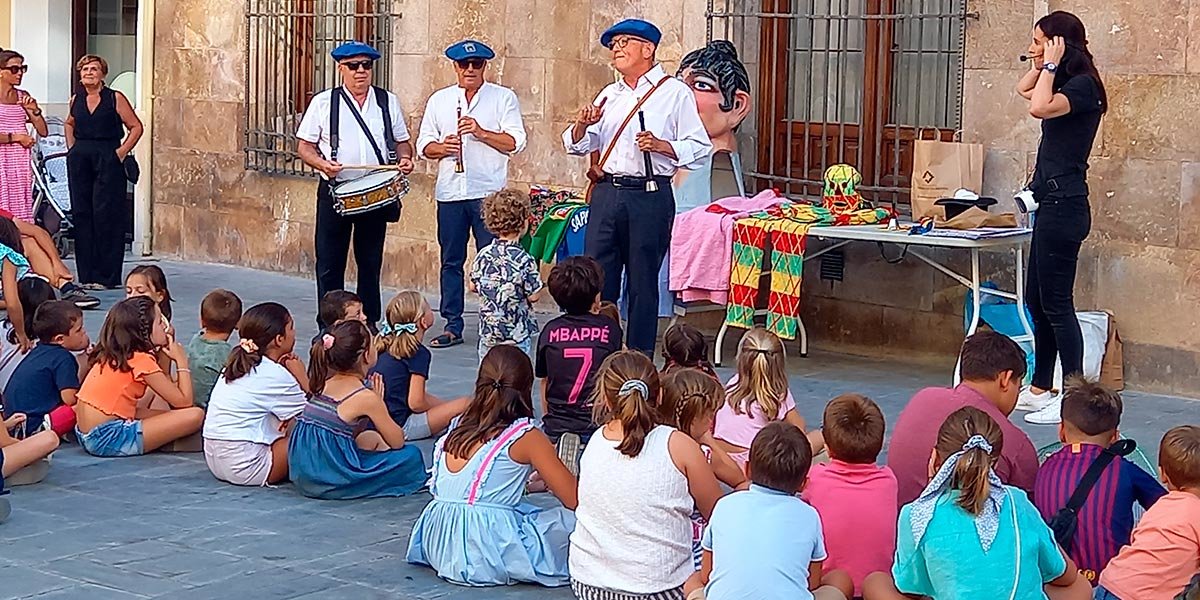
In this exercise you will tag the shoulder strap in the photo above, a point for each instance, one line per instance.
(1080, 495)
(501, 443)
(612, 144)
(366, 131)
(352, 394)
(389, 137)
(335, 103)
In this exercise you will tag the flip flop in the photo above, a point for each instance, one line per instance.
(446, 340)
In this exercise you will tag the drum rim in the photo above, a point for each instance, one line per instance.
(387, 177)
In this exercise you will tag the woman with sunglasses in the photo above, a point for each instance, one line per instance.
(17, 110)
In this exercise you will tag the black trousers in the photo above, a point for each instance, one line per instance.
(629, 231)
(97, 184)
(334, 234)
(1059, 228)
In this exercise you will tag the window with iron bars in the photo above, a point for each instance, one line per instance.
(287, 62)
(847, 81)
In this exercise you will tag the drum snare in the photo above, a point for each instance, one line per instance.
(372, 191)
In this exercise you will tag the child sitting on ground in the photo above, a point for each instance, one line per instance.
(570, 350)
(855, 498)
(32, 292)
(345, 445)
(684, 347)
(638, 485)
(477, 530)
(1091, 415)
(209, 348)
(757, 395)
(337, 306)
(766, 543)
(690, 402)
(404, 365)
(505, 276)
(13, 268)
(150, 281)
(1164, 550)
(261, 391)
(110, 423)
(970, 536)
(43, 387)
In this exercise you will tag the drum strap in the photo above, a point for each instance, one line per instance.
(388, 135)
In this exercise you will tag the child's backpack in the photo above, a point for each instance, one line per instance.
(1066, 520)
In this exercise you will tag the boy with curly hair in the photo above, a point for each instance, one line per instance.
(505, 276)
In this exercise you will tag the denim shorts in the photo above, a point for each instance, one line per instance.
(416, 427)
(1102, 594)
(113, 438)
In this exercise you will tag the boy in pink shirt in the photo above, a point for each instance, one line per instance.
(1164, 552)
(855, 498)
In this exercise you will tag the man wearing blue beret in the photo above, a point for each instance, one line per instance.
(369, 130)
(470, 128)
(632, 206)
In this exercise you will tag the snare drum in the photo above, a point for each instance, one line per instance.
(372, 191)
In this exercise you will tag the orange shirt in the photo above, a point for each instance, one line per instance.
(114, 392)
(1163, 554)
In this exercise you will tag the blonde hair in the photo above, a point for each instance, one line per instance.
(970, 475)
(637, 411)
(506, 212)
(761, 376)
(88, 59)
(689, 393)
(406, 307)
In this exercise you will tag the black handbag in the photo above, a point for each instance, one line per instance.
(133, 172)
(1066, 520)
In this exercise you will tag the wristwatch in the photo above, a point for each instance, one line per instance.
(37, 112)
(1050, 67)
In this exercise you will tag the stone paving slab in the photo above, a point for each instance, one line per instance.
(160, 526)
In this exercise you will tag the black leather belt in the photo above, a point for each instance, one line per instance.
(628, 181)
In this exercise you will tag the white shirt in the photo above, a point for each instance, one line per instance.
(353, 147)
(671, 116)
(251, 408)
(495, 108)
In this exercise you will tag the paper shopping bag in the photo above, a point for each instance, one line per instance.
(1112, 368)
(941, 168)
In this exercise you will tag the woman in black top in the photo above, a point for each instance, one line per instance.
(1064, 91)
(98, 142)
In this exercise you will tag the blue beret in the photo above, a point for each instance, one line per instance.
(635, 27)
(469, 49)
(351, 49)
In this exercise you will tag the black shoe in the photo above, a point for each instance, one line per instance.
(73, 293)
(446, 340)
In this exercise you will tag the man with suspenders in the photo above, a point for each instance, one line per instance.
(353, 124)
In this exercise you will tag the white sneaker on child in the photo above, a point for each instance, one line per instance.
(568, 452)
(1029, 401)
(1050, 415)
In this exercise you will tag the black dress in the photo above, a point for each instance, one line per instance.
(97, 183)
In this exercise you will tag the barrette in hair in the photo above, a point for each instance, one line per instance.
(327, 341)
(497, 385)
(248, 345)
(634, 385)
(977, 441)
(385, 328)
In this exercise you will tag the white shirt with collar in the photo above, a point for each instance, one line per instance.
(353, 147)
(496, 109)
(671, 116)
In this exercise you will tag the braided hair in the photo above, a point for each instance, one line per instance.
(128, 329)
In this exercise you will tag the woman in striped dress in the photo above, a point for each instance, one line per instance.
(17, 108)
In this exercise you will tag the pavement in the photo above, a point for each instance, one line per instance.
(160, 526)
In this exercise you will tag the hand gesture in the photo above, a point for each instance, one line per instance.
(28, 103)
(646, 142)
(1053, 50)
(331, 169)
(591, 114)
(376, 381)
(177, 353)
(467, 125)
(14, 420)
(406, 165)
(63, 273)
(452, 145)
(25, 140)
(23, 342)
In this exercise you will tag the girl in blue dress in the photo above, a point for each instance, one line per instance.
(344, 444)
(477, 531)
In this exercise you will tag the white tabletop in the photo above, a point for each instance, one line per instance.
(880, 233)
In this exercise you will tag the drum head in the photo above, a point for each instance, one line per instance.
(370, 181)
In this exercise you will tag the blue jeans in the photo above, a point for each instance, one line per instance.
(456, 221)
(117, 437)
(1102, 594)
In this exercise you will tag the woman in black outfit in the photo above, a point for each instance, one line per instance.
(98, 144)
(1064, 91)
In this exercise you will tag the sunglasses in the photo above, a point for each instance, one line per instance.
(361, 65)
(17, 69)
(471, 63)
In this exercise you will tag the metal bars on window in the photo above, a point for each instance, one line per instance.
(287, 62)
(846, 81)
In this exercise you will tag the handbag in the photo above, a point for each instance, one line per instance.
(1065, 522)
(390, 213)
(133, 172)
(595, 171)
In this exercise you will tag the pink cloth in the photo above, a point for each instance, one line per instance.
(1163, 554)
(915, 435)
(858, 509)
(740, 429)
(702, 246)
(16, 174)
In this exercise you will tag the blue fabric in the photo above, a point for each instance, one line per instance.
(113, 439)
(352, 49)
(16, 258)
(469, 49)
(574, 236)
(397, 375)
(325, 462)
(499, 539)
(37, 382)
(635, 27)
(950, 563)
(1102, 594)
(762, 542)
(456, 221)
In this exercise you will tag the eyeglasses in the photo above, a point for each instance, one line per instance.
(621, 42)
(17, 69)
(471, 63)
(362, 65)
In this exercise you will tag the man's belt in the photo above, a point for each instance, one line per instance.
(631, 181)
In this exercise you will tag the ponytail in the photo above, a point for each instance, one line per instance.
(318, 366)
(980, 440)
(762, 376)
(503, 394)
(339, 350)
(258, 328)
(627, 389)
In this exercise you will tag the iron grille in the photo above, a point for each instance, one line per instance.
(846, 81)
(287, 62)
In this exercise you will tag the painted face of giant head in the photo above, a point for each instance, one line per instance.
(722, 88)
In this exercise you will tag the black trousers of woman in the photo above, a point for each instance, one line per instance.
(1060, 226)
(97, 183)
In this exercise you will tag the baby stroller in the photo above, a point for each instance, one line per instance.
(51, 197)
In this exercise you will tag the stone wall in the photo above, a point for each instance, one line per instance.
(1142, 261)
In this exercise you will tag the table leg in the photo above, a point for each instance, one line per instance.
(976, 294)
(720, 342)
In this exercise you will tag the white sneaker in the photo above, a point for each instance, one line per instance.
(1029, 401)
(1050, 415)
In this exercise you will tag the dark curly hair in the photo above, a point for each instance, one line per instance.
(506, 212)
(719, 60)
(127, 330)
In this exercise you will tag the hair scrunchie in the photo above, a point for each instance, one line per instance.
(634, 385)
(327, 341)
(248, 345)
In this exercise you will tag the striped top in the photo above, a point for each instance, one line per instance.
(1105, 522)
(321, 411)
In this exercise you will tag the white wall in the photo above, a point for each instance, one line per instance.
(41, 30)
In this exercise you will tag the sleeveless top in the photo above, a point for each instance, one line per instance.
(633, 529)
(321, 411)
(103, 125)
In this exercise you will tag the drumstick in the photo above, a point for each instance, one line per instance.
(458, 163)
(371, 167)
